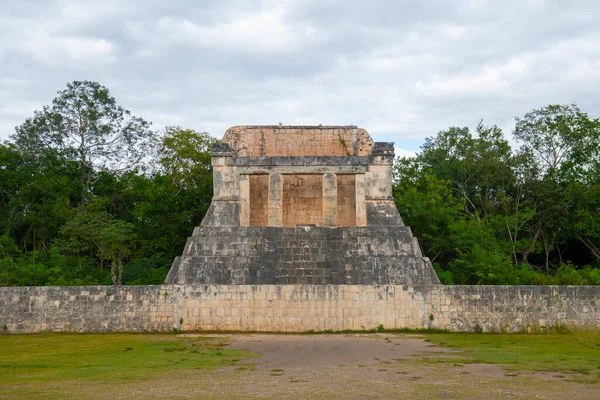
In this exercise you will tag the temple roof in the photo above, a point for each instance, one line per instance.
(298, 140)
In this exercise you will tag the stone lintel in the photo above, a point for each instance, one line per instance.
(301, 161)
(304, 169)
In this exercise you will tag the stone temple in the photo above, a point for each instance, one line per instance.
(302, 205)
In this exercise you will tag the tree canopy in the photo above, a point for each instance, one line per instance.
(76, 206)
(490, 214)
(85, 123)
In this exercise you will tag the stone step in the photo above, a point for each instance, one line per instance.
(307, 254)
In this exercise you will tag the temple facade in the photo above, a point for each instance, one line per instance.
(302, 205)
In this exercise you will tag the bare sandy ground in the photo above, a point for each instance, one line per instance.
(321, 351)
(385, 366)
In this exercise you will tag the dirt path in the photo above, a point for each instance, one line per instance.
(382, 366)
(322, 351)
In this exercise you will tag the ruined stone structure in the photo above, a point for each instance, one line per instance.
(296, 208)
(302, 205)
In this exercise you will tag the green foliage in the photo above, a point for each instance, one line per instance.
(75, 206)
(185, 157)
(488, 215)
(562, 350)
(446, 276)
(39, 359)
(86, 121)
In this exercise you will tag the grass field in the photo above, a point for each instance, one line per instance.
(179, 366)
(575, 353)
(107, 358)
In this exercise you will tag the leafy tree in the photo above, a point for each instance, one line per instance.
(561, 136)
(35, 196)
(564, 143)
(428, 206)
(488, 215)
(171, 202)
(479, 168)
(184, 156)
(85, 122)
(116, 241)
(95, 232)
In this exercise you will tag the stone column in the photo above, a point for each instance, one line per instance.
(224, 208)
(244, 200)
(330, 217)
(381, 209)
(275, 211)
(361, 206)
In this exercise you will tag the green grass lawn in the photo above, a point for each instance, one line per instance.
(107, 358)
(575, 353)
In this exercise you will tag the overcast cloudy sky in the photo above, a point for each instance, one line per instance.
(401, 69)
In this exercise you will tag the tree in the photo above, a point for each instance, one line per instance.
(94, 231)
(85, 122)
(479, 168)
(175, 198)
(563, 139)
(468, 199)
(35, 196)
(429, 208)
(564, 143)
(116, 241)
(185, 158)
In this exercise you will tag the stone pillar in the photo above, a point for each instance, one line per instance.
(244, 200)
(361, 206)
(275, 211)
(224, 209)
(381, 209)
(330, 200)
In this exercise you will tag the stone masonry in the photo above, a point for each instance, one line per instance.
(296, 308)
(302, 205)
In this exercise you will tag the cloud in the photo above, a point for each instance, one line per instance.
(68, 52)
(402, 70)
(404, 153)
(263, 32)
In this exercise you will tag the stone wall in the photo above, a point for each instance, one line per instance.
(302, 200)
(259, 200)
(295, 308)
(86, 309)
(511, 308)
(298, 141)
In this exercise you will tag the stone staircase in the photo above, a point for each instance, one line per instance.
(384, 255)
(302, 255)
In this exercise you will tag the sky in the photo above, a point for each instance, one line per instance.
(403, 70)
